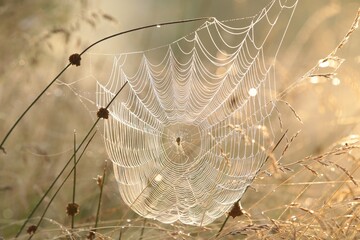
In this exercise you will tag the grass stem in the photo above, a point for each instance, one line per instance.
(143, 229)
(68, 162)
(100, 198)
(59, 188)
(74, 182)
(29, 107)
(120, 233)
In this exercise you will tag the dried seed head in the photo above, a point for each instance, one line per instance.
(72, 209)
(99, 180)
(91, 235)
(178, 140)
(31, 230)
(236, 211)
(103, 113)
(75, 59)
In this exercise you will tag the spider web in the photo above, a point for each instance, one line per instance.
(193, 126)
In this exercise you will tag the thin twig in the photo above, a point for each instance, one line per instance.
(100, 197)
(120, 234)
(74, 182)
(223, 225)
(30, 106)
(143, 229)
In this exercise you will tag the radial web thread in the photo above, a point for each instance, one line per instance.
(194, 124)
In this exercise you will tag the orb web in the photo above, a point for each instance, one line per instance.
(193, 125)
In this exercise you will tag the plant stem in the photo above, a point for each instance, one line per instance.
(143, 229)
(68, 162)
(223, 225)
(100, 198)
(74, 182)
(29, 107)
(58, 189)
(55, 180)
(120, 234)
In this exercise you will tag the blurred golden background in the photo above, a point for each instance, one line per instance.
(37, 37)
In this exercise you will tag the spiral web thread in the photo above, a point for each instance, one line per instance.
(193, 126)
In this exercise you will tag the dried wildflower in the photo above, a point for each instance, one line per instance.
(353, 27)
(91, 235)
(236, 211)
(75, 59)
(31, 230)
(103, 113)
(72, 209)
(331, 62)
(347, 173)
(306, 210)
(99, 180)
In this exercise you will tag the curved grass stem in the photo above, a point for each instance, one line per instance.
(29, 107)
(143, 229)
(69, 64)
